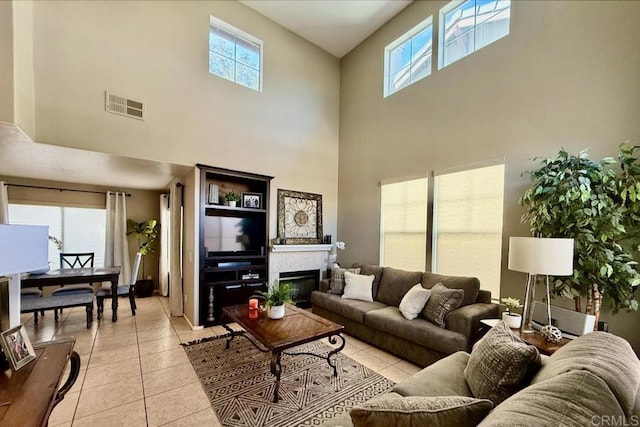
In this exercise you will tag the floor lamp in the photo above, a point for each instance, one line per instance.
(540, 256)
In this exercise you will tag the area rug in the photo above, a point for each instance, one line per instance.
(240, 386)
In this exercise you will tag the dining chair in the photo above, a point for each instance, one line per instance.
(125, 290)
(74, 260)
(32, 293)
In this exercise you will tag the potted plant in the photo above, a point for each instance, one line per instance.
(275, 298)
(512, 320)
(146, 233)
(232, 198)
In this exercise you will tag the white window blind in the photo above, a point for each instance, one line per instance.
(467, 235)
(403, 225)
(79, 229)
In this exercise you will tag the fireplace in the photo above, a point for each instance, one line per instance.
(303, 283)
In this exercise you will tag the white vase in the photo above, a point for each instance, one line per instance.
(512, 320)
(276, 312)
(232, 203)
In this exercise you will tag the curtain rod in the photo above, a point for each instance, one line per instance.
(59, 189)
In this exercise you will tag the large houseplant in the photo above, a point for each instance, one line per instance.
(145, 233)
(598, 205)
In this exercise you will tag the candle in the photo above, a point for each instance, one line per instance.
(253, 314)
(253, 304)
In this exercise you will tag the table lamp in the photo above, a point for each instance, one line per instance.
(23, 248)
(540, 256)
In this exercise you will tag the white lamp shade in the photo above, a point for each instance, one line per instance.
(551, 256)
(23, 248)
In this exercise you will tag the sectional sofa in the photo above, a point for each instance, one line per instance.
(381, 323)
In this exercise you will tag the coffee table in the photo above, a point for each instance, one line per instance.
(297, 327)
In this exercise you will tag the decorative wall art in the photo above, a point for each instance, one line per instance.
(299, 217)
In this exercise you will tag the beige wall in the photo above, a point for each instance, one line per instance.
(141, 206)
(190, 252)
(157, 52)
(6, 61)
(566, 76)
(24, 90)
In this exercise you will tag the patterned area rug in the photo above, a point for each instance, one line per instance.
(240, 386)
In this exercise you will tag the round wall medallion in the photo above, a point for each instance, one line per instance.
(301, 218)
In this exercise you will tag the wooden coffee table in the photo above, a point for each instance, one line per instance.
(295, 328)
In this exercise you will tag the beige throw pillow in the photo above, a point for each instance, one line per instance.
(442, 301)
(337, 279)
(498, 364)
(358, 287)
(414, 301)
(459, 411)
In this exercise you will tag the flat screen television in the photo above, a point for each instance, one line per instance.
(234, 235)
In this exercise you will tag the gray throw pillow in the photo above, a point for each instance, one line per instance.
(442, 301)
(459, 411)
(337, 279)
(499, 363)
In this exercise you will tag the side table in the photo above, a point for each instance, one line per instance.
(28, 395)
(536, 339)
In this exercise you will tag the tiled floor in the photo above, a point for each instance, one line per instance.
(135, 373)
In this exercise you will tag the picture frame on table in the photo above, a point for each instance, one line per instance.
(17, 347)
(252, 200)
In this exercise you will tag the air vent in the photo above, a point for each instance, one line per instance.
(123, 106)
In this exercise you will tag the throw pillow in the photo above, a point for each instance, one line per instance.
(358, 287)
(498, 364)
(413, 302)
(337, 279)
(442, 301)
(459, 411)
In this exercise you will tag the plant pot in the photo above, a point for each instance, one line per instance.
(276, 312)
(512, 320)
(144, 288)
(232, 203)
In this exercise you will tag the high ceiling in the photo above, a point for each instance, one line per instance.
(337, 26)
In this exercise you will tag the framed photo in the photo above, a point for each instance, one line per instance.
(299, 217)
(17, 347)
(252, 200)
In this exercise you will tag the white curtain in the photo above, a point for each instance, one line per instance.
(175, 251)
(164, 244)
(4, 204)
(116, 251)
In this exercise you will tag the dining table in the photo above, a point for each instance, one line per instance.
(73, 276)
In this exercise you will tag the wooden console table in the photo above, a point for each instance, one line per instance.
(535, 338)
(28, 396)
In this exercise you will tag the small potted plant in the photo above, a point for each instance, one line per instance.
(276, 296)
(512, 320)
(232, 198)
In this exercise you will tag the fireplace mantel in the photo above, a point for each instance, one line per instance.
(301, 248)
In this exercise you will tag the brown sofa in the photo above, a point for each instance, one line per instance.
(380, 322)
(593, 380)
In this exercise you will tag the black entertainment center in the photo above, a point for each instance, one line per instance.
(233, 240)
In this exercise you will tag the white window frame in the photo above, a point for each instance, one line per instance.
(400, 40)
(248, 38)
(441, 36)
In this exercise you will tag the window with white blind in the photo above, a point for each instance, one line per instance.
(467, 231)
(467, 26)
(79, 229)
(403, 224)
(235, 55)
(408, 59)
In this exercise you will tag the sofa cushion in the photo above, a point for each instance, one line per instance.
(336, 286)
(421, 411)
(470, 285)
(442, 378)
(419, 331)
(442, 301)
(394, 284)
(414, 301)
(349, 308)
(605, 355)
(358, 286)
(367, 270)
(576, 398)
(499, 363)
